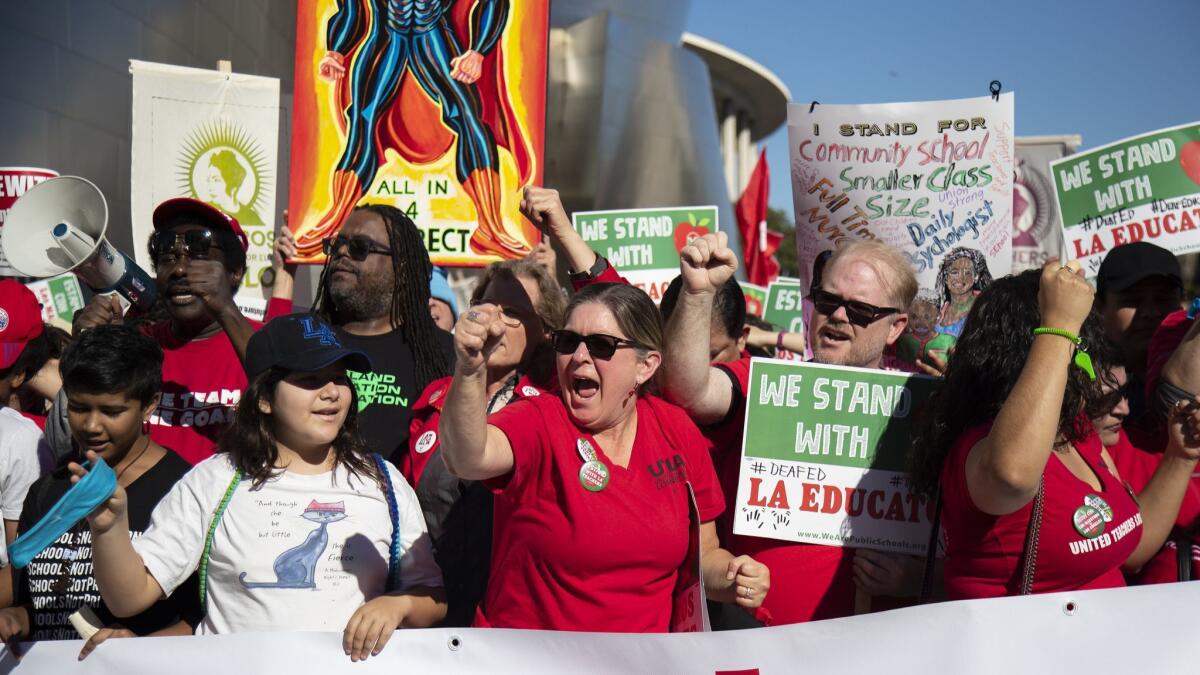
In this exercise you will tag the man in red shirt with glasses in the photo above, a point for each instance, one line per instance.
(858, 313)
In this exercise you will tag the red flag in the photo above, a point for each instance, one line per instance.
(758, 243)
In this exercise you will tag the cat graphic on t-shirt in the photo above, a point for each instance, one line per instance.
(296, 567)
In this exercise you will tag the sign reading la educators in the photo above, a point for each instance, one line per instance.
(14, 182)
(823, 457)
(1142, 188)
(644, 244)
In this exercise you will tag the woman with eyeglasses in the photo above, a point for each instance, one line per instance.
(1031, 500)
(460, 513)
(593, 480)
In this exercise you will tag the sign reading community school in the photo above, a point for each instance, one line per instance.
(1142, 188)
(823, 457)
(644, 244)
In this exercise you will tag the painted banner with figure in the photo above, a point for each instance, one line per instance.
(14, 182)
(211, 136)
(1076, 632)
(436, 108)
(644, 244)
(932, 179)
(1037, 226)
(1144, 188)
(823, 456)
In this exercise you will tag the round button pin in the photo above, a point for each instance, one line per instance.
(593, 475)
(1097, 502)
(1088, 522)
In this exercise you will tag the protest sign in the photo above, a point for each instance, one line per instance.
(1037, 227)
(756, 298)
(644, 244)
(1144, 188)
(784, 309)
(212, 136)
(448, 133)
(14, 182)
(60, 297)
(932, 179)
(823, 457)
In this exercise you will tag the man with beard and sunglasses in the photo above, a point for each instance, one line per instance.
(199, 256)
(374, 291)
(856, 316)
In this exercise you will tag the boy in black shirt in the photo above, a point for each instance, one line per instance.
(112, 376)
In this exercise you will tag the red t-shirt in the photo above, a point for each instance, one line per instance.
(203, 381)
(570, 559)
(984, 552)
(427, 414)
(1136, 467)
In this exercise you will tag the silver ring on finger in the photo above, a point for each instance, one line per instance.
(472, 315)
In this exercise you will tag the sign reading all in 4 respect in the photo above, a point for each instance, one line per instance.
(1142, 188)
(823, 457)
(644, 244)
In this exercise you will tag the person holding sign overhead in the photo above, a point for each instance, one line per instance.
(1031, 501)
(855, 318)
(594, 480)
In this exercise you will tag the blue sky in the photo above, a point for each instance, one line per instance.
(1101, 69)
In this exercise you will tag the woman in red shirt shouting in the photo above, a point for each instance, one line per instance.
(594, 480)
(1032, 502)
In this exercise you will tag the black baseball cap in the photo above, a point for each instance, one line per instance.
(300, 342)
(1128, 264)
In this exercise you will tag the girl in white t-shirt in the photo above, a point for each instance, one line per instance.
(295, 525)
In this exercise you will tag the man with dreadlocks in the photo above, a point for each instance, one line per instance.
(374, 290)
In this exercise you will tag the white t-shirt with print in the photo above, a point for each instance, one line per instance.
(301, 553)
(19, 466)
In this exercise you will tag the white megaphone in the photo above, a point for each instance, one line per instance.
(58, 226)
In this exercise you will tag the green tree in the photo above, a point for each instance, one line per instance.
(778, 221)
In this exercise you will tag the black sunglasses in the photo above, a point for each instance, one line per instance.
(196, 245)
(358, 247)
(861, 314)
(599, 345)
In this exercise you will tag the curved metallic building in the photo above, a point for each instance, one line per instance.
(633, 102)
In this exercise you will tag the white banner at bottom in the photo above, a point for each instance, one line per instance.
(1144, 629)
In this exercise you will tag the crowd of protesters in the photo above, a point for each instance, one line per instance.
(391, 459)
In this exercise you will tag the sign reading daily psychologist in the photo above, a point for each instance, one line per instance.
(1145, 188)
(823, 457)
(435, 108)
(644, 244)
(933, 179)
(211, 136)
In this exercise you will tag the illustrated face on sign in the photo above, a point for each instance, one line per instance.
(960, 277)
(922, 315)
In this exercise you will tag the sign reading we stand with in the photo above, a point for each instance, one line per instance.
(644, 244)
(823, 457)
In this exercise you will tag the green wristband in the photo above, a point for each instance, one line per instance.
(1082, 360)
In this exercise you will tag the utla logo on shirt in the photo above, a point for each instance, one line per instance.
(668, 471)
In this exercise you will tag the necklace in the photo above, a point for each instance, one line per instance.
(145, 447)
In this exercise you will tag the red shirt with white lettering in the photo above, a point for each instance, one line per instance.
(203, 380)
(571, 559)
(984, 553)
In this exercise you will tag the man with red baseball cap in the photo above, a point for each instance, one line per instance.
(20, 325)
(199, 256)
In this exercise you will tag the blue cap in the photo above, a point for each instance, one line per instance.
(300, 342)
(439, 289)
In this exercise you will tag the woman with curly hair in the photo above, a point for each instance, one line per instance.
(1031, 501)
(962, 276)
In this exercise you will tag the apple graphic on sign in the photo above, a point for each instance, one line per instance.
(688, 231)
